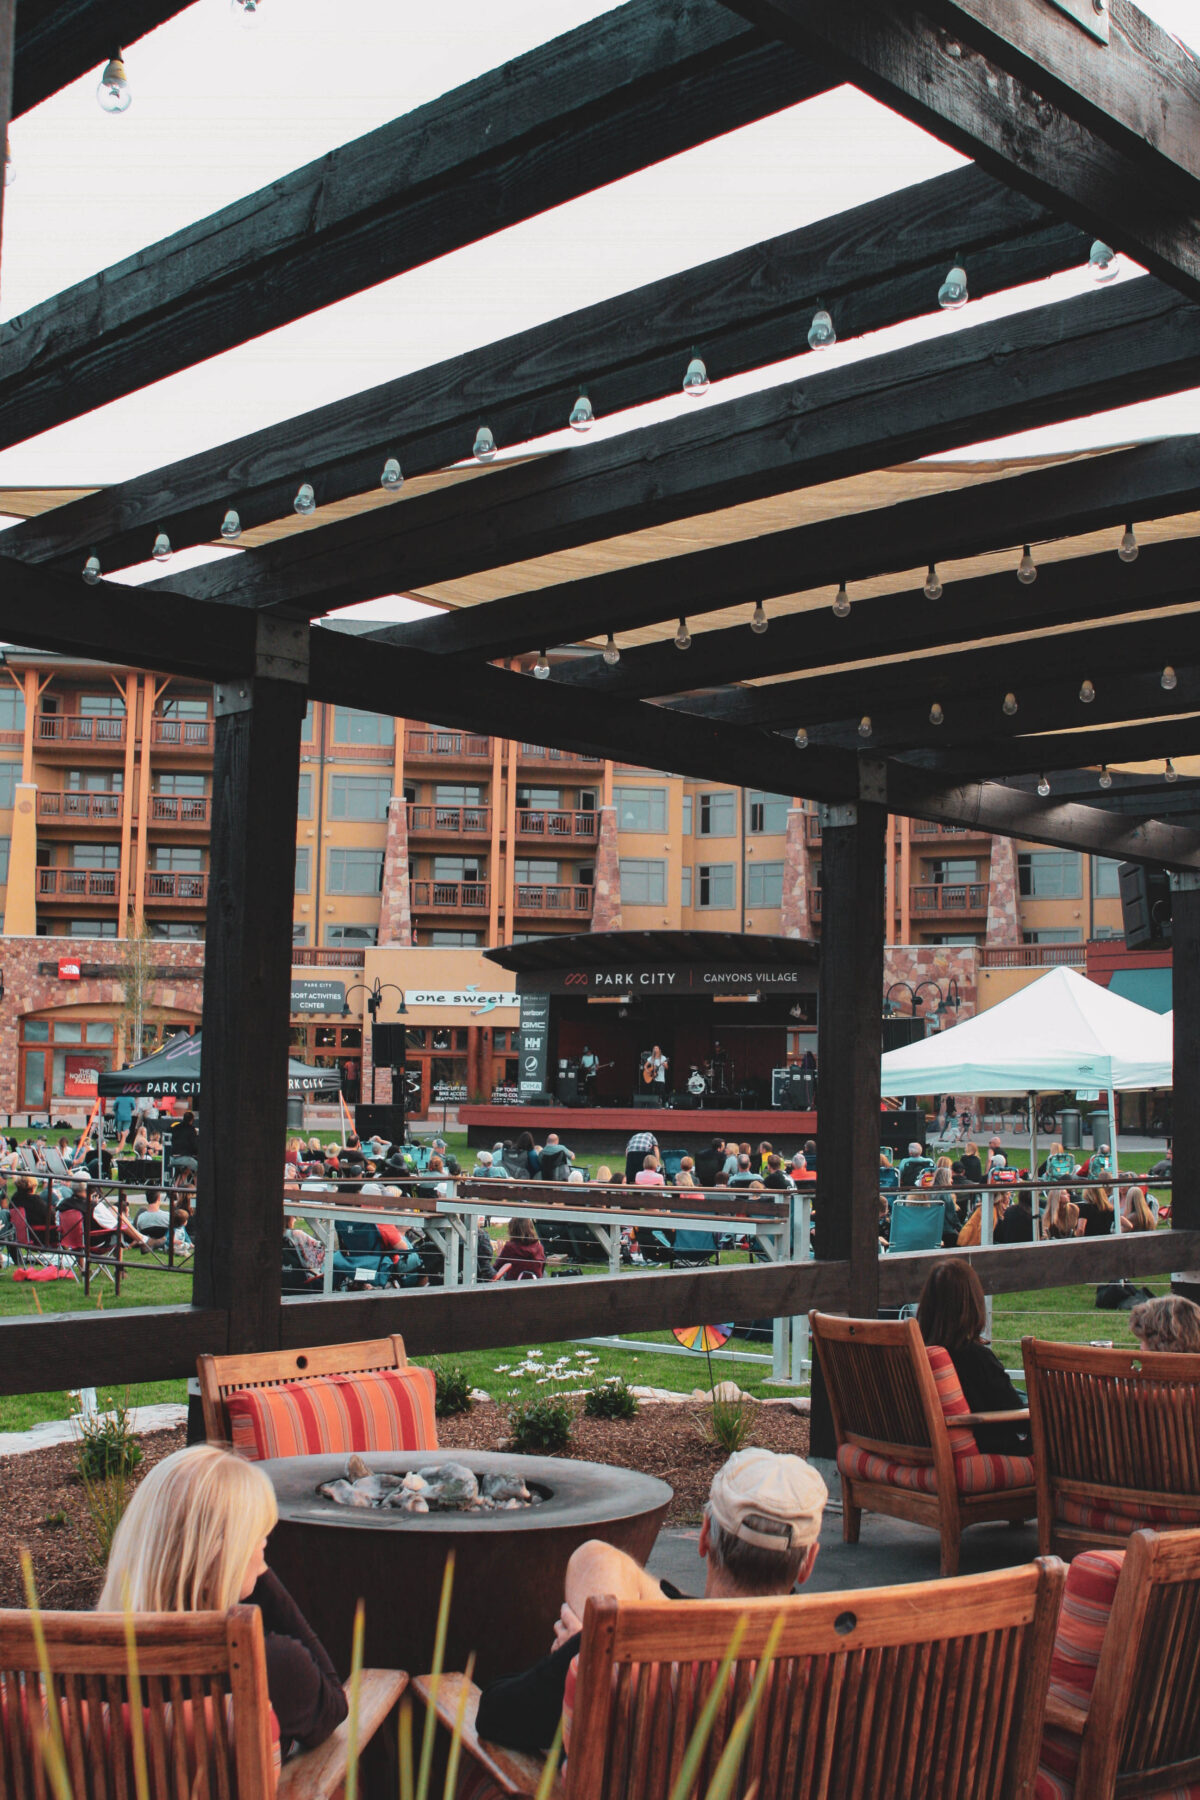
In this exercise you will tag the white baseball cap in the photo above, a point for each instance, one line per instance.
(760, 1484)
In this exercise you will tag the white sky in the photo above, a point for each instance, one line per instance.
(219, 112)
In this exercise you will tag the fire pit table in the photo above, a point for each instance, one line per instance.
(510, 1566)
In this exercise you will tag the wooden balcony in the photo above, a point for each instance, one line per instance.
(553, 901)
(812, 828)
(182, 811)
(561, 827)
(75, 810)
(176, 887)
(449, 896)
(449, 821)
(1032, 956)
(814, 903)
(929, 828)
(184, 736)
(78, 734)
(940, 899)
(446, 746)
(539, 755)
(312, 957)
(78, 887)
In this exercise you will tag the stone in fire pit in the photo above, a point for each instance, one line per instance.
(443, 1487)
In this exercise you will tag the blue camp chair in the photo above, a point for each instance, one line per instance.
(889, 1180)
(670, 1161)
(912, 1169)
(917, 1224)
(363, 1248)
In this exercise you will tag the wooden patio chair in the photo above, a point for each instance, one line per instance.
(1116, 1442)
(208, 1725)
(361, 1396)
(905, 1439)
(877, 1694)
(1123, 1713)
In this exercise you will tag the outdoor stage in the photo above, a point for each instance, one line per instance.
(608, 1127)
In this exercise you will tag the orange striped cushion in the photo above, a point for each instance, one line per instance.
(1119, 1522)
(978, 1474)
(389, 1409)
(954, 1401)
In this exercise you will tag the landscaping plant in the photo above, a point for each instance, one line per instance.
(611, 1399)
(107, 1456)
(452, 1390)
(540, 1427)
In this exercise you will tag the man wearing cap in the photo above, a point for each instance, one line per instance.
(759, 1537)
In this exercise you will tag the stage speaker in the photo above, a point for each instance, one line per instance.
(651, 1100)
(568, 1089)
(682, 1101)
(1145, 905)
(781, 1087)
(380, 1121)
(387, 1045)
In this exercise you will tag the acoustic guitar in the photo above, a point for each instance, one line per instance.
(648, 1071)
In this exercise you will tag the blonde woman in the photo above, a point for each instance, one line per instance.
(1062, 1215)
(1135, 1213)
(193, 1539)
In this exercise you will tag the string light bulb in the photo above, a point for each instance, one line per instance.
(821, 334)
(1009, 708)
(841, 602)
(695, 381)
(758, 620)
(1170, 772)
(305, 501)
(865, 727)
(1043, 786)
(392, 478)
(92, 570)
(582, 417)
(611, 653)
(1087, 692)
(936, 715)
(246, 12)
(162, 548)
(1105, 777)
(933, 583)
(231, 524)
(1102, 262)
(801, 738)
(541, 667)
(683, 637)
(114, 92)
(1128, 551)
(1168, 679)
(484, 447)
(953, 292)
(1026, 568)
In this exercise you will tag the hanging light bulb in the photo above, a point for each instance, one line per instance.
(114, 93)
(392, 478)
(1026, 568)
(865, 727)
(231, 524)
(246, 12)
(10, 168)
(1102, 262)
(933, 583)
(841, 602)
(1105, 778)
(821, 335)
(758, 620)
(582, 417)
(1087, 692)
(953, 292)
(92, 570)
(484, 447)
(541, 667)
(683, 637)
(1009, 707)
(1168, 679)
(1043, 787)
(1170, 772)
(1128, 551)
(162, 548)
(305, 501)
(695, 382)
(936, 715)
(801, 738)
(611, 653)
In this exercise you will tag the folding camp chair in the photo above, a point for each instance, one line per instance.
(916, 1224)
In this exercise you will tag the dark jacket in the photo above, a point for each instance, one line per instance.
(1016, 1227)
(986, 1388)
(306, 1696)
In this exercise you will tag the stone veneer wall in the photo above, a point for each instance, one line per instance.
(1004, 915)
(395, 909)
(794, 918)
(606, 902)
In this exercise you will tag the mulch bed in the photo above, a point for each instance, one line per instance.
(46, 1513)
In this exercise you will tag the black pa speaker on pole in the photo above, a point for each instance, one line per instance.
(1145, 905)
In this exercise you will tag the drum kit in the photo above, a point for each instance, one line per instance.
(710, 1077)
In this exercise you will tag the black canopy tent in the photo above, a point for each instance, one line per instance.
(175, 1069)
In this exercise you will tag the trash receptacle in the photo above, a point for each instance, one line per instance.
(1071, 1120)
(295, 1112)
(1098, 1126)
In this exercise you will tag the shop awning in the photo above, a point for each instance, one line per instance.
(1152, 988)
(175, 1069)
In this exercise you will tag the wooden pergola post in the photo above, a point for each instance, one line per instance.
(1185, 1174)
(248, 957)
(849, 1046)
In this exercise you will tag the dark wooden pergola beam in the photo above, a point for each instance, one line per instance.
(8, 21)
(636, 85)
(60, 40)
(874, 265)
(1069, 750)
(1105, 135)
(1047, 364)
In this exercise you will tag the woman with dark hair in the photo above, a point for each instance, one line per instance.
(522, 1256)
(525, 1152)
(952, 1313)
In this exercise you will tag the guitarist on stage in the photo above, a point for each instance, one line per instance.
(654, 1071)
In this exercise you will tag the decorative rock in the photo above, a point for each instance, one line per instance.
(724, 1390)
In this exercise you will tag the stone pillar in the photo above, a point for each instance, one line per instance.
(20, 911)
(606, 905)
(794, 921)
(395, 911)
(1003, 917)
(1185, 1193)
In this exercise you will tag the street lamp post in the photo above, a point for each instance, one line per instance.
(375, 995)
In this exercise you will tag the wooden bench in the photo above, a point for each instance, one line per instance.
(206, 1713)
(872, 1695)
(1116, 1442)
(905, 1439)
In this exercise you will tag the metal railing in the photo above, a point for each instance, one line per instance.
(1032, 956)
(181, 734)
(75, 808)
(949, 897)
(460, 821)
(935, 828)
(177, 887)
(539, 897)
(77, 884)
(80, 729)
(305, 957)
(180, 809)
(446, 744)
(540, 753)
(532, 823)
(469, 896)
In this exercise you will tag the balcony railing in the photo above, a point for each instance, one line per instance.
(77, 884)
(176, 887)
(949, 897)
(78, 809)
(455, 821)
(1032, 956)
(181, 734)
(934, 828)
(304, 957)
(532, 823)
(450, 896)
(812, 828)
(80, 730)
(448, 744)
(539, 898)
(179, 809)
(814, 902)
(539, 753)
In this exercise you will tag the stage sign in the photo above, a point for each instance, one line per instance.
(318, 996)
(673, 978)
(534, 1032)
(478, 1000)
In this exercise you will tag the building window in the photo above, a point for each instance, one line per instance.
(60, 1058)
(450, 938)
(95, 856)
(714, 885)
(764, 884)
(303, 869)
(5, 847)
(178, 929)
(1049, 875)
(1105, 881)
(304, 796)
(353, 727)
(299, 934)
(176, 706)
(1043, 936)
(643, 882)
(718, 816)
(306, 730)
(355, 871)
(12, 708)
(952, 869)
(458, 868)
(687, 815)
(951, 937)
(190, 786)
(640, 809)
(102, 706)
(462, 793)
(10, 774)
(188, 859)
(767, 813)
(86, 928)
(353, 936)
(535, 869)
(538, 799)
(359, 796)
(685, 887)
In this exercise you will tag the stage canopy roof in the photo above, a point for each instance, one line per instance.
(175, 1069)
(621, 949)
(1060, 1032)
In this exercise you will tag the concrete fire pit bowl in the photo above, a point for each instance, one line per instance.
(509, 1566)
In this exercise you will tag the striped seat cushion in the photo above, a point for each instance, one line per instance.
(1087, 1603)
(388, 1409)
(1121, 1523)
